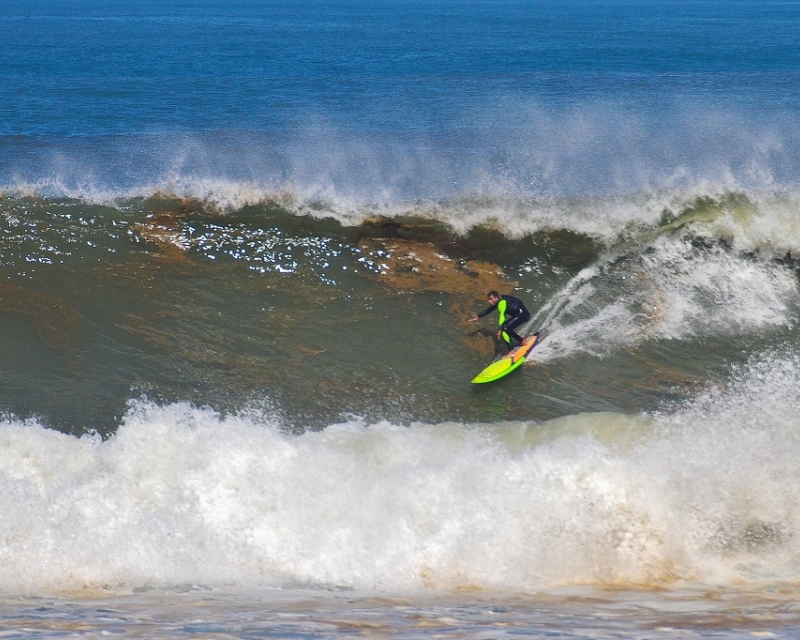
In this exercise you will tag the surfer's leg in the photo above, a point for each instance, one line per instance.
(511, 339)
(513, 335)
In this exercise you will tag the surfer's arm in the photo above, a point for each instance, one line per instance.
(483, 313)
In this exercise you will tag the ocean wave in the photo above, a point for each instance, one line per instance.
(594, 169)
(619, 273)
(748, 221)
(705, 493)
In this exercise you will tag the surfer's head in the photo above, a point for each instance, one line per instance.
(493, 297)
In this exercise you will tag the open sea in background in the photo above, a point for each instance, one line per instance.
(239, 245)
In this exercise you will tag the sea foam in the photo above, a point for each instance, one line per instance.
(182, 495)
(674, 288)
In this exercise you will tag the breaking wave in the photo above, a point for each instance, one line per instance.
(703, 493)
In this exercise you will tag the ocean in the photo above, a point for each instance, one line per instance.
(240, 244)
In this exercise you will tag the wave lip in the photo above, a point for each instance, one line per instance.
(747, 220)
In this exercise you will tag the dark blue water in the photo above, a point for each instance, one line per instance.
(386, 100)
(90, 69)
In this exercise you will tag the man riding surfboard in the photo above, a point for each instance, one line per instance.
(511, 314)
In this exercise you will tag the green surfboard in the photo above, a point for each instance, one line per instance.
(508, 363)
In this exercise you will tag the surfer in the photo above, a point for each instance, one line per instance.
(511, 314)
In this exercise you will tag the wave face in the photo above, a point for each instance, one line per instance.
(325, 319)
(706, 493)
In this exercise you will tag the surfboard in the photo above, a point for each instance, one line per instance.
(508, 363)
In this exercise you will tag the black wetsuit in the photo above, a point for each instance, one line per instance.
(512, 314)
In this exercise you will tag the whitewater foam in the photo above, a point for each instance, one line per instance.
(706, 493)
(674, 288)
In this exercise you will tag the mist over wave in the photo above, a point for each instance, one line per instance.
(639, 159)
(703, 493)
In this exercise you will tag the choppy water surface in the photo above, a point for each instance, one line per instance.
(570, 613)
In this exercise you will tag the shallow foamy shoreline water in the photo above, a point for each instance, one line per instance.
(576, 612)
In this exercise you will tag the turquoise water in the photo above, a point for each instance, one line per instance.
(239, 246)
